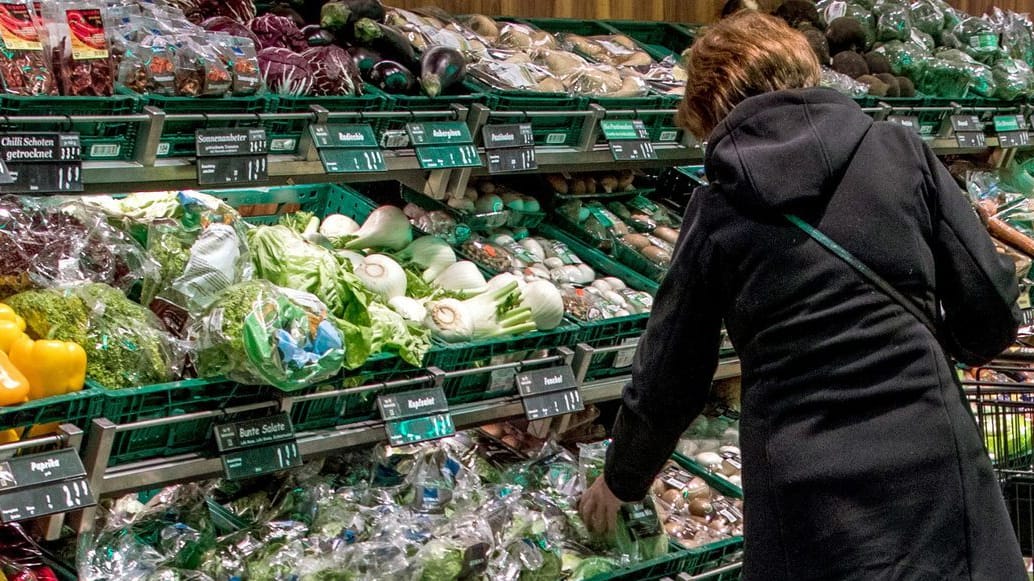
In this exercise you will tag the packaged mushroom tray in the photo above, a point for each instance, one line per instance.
(608, 213)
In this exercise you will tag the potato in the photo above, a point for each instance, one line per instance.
(637, 241)
(666, 234)
(657, 255)
(550, 85)
(637, 59)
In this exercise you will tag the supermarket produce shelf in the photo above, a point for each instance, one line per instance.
(162, 471)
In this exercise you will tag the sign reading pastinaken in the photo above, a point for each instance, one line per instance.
(509, 148)
(231, 156)
(40, 163)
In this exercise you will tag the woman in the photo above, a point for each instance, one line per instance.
(861, 459)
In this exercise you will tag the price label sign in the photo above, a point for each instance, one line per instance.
(416, 416)
(909, 121)
(231, 156)
(348, 148)
(628, 139)
(40, 163)
(549, 392)
(42, 484)
(969, 131)
(509, 148)
(443, 145)
(1011, 130)
(257, 446)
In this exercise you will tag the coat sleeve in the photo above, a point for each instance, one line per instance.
(672, 369)
(975, 284)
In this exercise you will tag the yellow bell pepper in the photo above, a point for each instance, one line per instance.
(8, 314)
(14, 387)
(9, 333)
(52, 367)
(8, 436)
(38, 430)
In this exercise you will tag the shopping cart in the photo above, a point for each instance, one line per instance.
(1002, 398)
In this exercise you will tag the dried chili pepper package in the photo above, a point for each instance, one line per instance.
(24, 67)
(80, 43)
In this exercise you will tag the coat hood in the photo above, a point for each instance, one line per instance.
(784, 148)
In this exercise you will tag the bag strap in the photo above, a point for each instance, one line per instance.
(877, 281)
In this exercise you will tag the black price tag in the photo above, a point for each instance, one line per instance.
(629, 140)
(41, 163)
(421, 429)
(509, 148)
(439, 133)
(257, 446)
(507, 136)
(420, 402)
(547, 380)
(970, 139)
(1009, 139)
(642, 519)
(1027, 317)
(910, 121)
(511, 160)
(231, 156)
(632, 150)
(448, 156)
(41, 484)
(350, 148)
(961, 123)
(557, 403)
(416, 416)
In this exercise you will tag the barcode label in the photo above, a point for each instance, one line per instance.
(105, 150)
(666, 136)
(282, 145)
(556, 138)
(624, 358)
(164, 148)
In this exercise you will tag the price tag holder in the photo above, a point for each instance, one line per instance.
(970, 139)
(966, 123)
(443, 145)
(628, 139)
(909, 121)
(350, 148)
(1011, 130)
(42, 484)
(416, 416)
(231, 156)
(509, 148)
(257, 446)
(549, 392)
(41, 163)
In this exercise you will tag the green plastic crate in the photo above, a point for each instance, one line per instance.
(480, 353)
(178, 137)
(266, 205)
(287, 134)
(557, 131)
(403, 104)
(123, 406)
(355, 406)
(690, 561)
(78, 408)
(607, 332)
(102, 140)
(659, 39)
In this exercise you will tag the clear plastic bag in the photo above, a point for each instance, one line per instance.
(79, 44)
(906, 58)
(1013, 78)
(842, 83)
(978, 38)
(927, 16)
(258, 333)
(893, 21)
(25, 67)
(615, 50)
(944, 78)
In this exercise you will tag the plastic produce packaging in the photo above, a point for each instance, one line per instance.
(258, 333)
(893, 21)
(843, 83)
(82, 57)
(927, 16)
(1012, 78)
(944, 78)
(905, 58)
(978, 38)
(25, 67)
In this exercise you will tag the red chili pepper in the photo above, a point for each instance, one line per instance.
(86, 35)
(45, 573)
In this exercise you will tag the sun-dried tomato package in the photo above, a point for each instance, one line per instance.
(79, 39)
(149, 66)
(200, 69)
(24, 66)
(241, 59)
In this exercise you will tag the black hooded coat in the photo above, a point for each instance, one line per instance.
(861, 458)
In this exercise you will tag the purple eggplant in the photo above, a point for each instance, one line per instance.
(386, 40)
(441, 67)
(316, 36)
(392, 77)
(364, 59)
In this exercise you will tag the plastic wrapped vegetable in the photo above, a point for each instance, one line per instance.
(842, 83)
(978, 38)
(1012, 77)
(258, 333)
(905, 58)
(943, 78)
(892, 21)
(927, 16)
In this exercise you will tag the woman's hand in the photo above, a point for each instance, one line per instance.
(599, 508)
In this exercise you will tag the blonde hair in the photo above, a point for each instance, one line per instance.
(746, 54)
